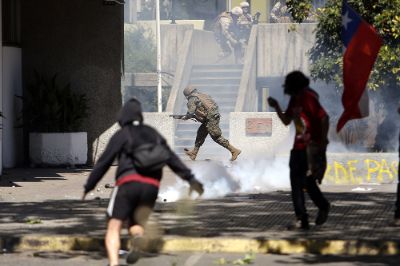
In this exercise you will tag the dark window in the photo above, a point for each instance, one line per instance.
(11, 22)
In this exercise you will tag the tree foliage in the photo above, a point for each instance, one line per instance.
(326, 55)
(140, 57)
(300, 10)
(140, 50)
(53, 107)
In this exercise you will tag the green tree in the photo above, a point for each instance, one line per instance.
(140, 57)
(140, 50)
(326, 54)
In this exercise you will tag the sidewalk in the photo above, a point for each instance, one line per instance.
(41, 210)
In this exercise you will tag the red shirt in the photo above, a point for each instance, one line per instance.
(307, 114)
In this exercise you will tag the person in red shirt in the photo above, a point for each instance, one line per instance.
(308, 156)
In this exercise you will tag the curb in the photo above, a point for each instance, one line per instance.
(212, 245)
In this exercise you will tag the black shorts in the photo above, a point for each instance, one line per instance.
(132, 202)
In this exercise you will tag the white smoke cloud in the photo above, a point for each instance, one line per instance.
(222, 178)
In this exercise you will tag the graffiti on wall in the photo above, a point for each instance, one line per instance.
(361, 171)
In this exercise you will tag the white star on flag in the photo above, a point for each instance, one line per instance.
(346, 20)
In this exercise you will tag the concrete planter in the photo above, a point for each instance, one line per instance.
(55, 149)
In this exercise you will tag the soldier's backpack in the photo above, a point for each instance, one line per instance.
(206, 101)
(148, 156)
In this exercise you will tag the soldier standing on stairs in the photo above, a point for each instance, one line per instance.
(227, 33)
(204, 109)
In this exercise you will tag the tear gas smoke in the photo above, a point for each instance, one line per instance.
(222, 178)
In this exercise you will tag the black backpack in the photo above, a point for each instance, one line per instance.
(148, 156)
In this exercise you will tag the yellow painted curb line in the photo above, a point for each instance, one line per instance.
(229, 245)
(283, 246)
(53, 243)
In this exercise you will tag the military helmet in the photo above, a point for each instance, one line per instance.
(188, 90)
(244, 4)
(237, 11)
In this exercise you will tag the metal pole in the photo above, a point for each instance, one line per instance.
(173, 12)
(158, 39)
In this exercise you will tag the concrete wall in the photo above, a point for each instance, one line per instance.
(205, 48)
(163, 123)
(171, 45)
(160, 121)
(55, 149)
(255, 145)
(1, 88)
(12, 107)
(286, 50)
(83, 42)
(361, 168)
(171, 41)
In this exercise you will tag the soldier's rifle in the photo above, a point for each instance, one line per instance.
(256, 18)
(181, 117)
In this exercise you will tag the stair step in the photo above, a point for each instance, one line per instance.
(217, 88)
(225, 101)
(185, 134)
(221, 82)
(232, 92)
(195, 126)
(215, 66)
(213, 81)
(219, 97)
(216, 74)
(223, 123)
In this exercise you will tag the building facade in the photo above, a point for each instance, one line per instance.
(81, 41)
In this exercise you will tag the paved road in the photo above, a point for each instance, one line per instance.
(51, 197)
(193, 259)
(46, 201)
(353, 216)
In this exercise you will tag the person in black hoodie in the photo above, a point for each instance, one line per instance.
(135, 193)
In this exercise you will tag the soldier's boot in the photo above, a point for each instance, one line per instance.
(192, 153)
(235, 152)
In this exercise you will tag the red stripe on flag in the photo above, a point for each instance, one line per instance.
(358, 61)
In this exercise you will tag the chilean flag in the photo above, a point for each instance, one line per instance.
(362, 44)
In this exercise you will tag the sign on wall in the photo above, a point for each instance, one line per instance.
(259, 127)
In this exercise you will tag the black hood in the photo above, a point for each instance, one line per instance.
(131, 111)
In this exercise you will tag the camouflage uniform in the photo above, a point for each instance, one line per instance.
(279, 13)
(245, 22)
(203, 108)
(226, 33)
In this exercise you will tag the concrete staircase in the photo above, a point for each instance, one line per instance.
(221, 82)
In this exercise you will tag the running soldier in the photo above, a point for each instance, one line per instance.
(226, 32)
(204, 109)
(308, 156)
